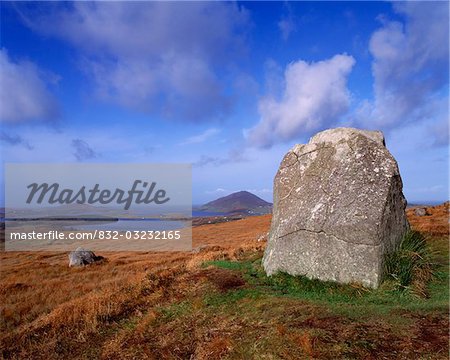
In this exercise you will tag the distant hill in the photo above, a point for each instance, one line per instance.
(241, 202)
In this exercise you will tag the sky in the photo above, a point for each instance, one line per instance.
(227, 86)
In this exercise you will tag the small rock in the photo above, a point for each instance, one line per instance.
(420, 212)
(203, 248)
(263, 237)
(199, 249)
(82, 257)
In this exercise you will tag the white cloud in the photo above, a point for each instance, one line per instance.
(217, 191)
(410, 67)
(286, 26)
(233, 156)
(24, 93)
(205, 135)
(315, 95)
(287, 23)
(158, 57)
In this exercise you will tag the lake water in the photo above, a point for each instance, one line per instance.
(206, 213)
(135, 224)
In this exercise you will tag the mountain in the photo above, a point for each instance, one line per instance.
(241, 202)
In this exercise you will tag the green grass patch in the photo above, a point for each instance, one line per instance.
(230, 297)
(410, 268)
(230, 265)
(175, 310)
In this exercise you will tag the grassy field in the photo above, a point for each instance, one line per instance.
(217, 304)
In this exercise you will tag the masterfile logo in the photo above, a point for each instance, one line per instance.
(138, 207)
(54, 195)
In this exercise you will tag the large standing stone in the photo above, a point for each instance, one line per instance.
(338, 208)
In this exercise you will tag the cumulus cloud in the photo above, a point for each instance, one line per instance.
(82, 150)
(410, 66)
(200, 138)
(24, 92)
(158, 57)
(315, 95)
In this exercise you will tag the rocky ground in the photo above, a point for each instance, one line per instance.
(215, 303)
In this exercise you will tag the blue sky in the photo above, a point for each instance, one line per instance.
(228, 87)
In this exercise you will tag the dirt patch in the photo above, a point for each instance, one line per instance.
(431, 334)
(222, 279)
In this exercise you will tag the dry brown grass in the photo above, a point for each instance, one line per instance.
(42, 296)
(435, 223)
(152, 306)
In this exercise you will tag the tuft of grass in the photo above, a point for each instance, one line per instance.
(410, 267)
